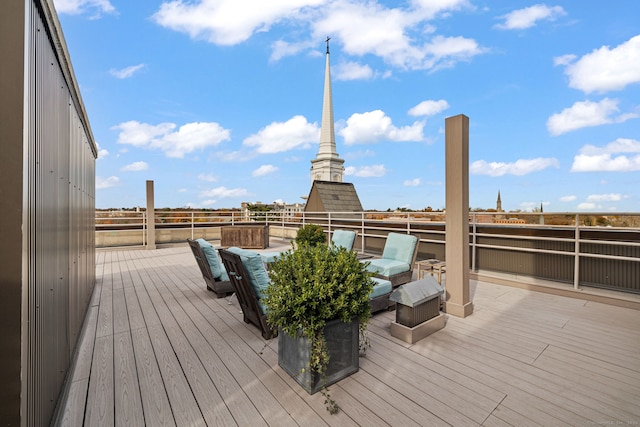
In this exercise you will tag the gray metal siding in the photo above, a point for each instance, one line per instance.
(59, 206)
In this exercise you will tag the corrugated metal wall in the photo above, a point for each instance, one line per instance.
(59, 220)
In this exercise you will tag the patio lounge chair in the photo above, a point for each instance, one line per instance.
(344, 238)
(249, 277)
(398, 257)
(213, 272)
(379, 297)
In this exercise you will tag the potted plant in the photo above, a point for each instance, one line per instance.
(319, 301)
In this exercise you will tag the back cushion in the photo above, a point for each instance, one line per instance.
(217, 268)
(344, 238)
(252, 262)
(400, 247)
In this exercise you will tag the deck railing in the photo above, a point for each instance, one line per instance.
(595, 250)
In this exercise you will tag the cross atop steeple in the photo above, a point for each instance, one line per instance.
(327, 40)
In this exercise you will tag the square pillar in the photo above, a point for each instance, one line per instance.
(458, 301)
(151, 217)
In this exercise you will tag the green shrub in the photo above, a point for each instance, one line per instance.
(310, 235)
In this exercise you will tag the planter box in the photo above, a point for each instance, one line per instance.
(245, 236)
(342, 343)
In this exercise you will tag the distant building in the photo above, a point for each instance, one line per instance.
(510, 221)
(289, 210)
(327, 166)
(499, 203)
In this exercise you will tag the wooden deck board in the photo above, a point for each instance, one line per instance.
(537, 383)
(100, 403)
(127, 400)
(155, 402)
(183, 403)
(158, 349)
(77, 398)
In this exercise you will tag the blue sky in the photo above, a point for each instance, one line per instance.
(220, 101)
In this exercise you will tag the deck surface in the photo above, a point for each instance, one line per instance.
(158, 349)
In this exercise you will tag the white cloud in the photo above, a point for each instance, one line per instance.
(363, 27)
(621, 155)
(207, 177)
(141, 134)
(281, 48)
(611, 197)
(518, 168)
(568, 198)
(102, 183)
(126, 72)
(284, 136)
(375, 126)
(264, 170)
(352, 71)
(605, 69)
(527, 17)
(586, 114)
(227, 22)
(366, 171)
(587, 206)
(188, 138)
(429, 108)
(368, 28)
(102, 152)
(135, 167)
(223, 192)
(76, 7)
(564, 59)
(412, 182)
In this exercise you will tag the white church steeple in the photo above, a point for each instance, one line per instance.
(327, 166)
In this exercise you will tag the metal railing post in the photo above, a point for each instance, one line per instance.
(576, 262)
(473, 243)
(362, 231)
(144, 228)
(282, 217)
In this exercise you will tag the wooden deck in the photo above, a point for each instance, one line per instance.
(158, 349)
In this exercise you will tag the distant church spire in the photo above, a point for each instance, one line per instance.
(499, 203)
(327, 166)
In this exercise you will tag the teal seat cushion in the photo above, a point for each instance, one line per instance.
(344, 238)
(258, 276)
(380, 287)
(217, 268)
(400, 247)
(269, 257)
(387, 267)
